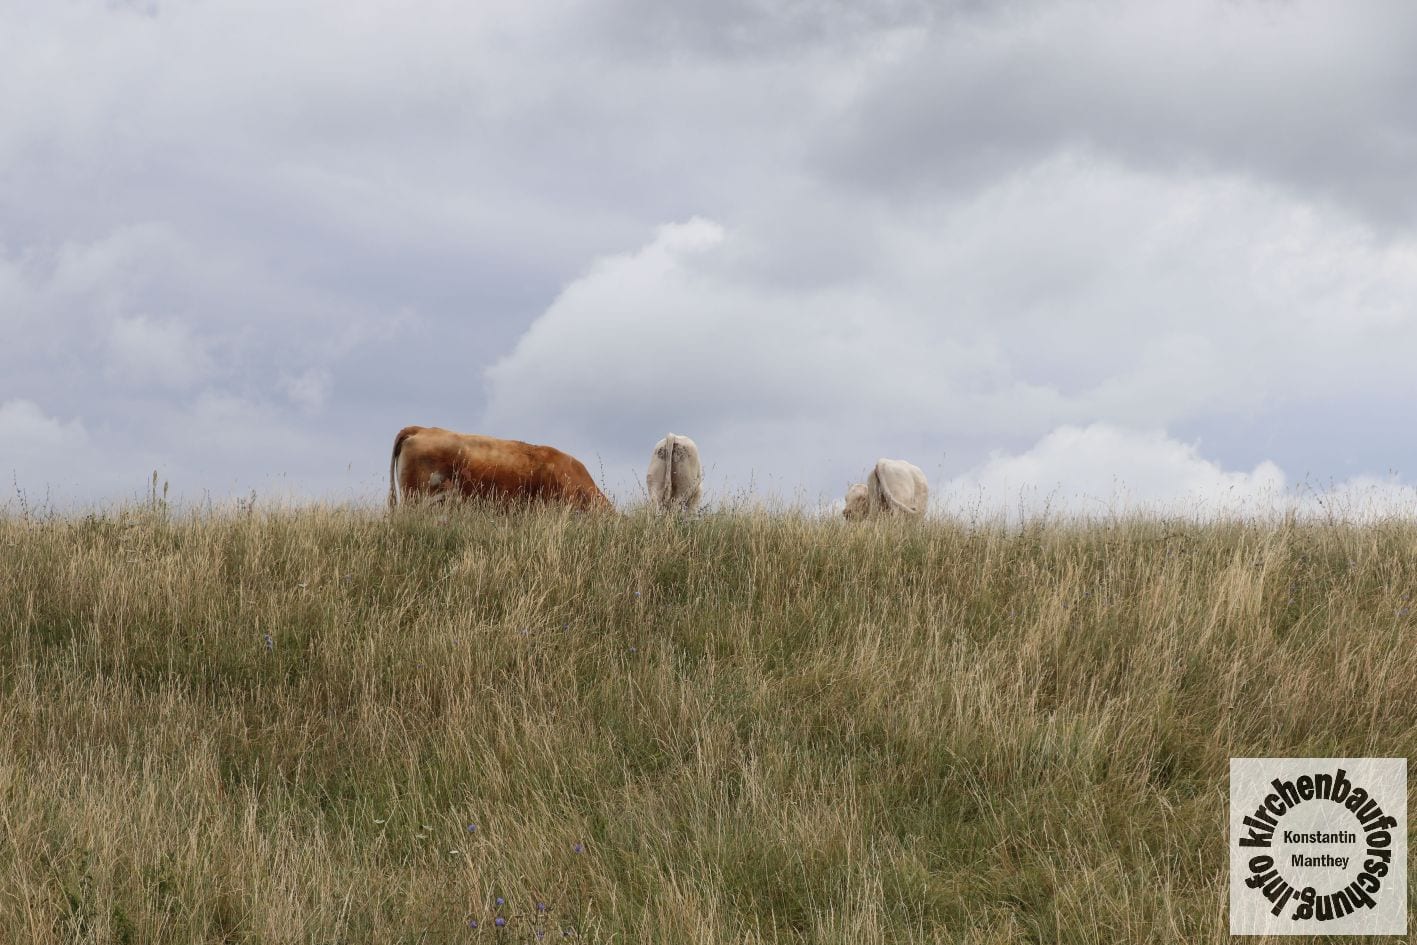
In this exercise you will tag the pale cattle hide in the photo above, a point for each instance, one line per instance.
(895, 487)
(858, 502)
(675, 477)
(430, 462)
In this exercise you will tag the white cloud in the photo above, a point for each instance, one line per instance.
(1359, 499)
(25, 428)
(1075, 292)
(40, 453)
(1106, 470)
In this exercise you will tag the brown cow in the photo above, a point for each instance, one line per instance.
(430, 461)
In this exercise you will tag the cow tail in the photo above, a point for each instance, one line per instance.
(669, 474)
(403, 434)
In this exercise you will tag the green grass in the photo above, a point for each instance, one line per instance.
(757, 728)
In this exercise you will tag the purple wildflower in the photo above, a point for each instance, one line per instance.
(501, 901)
(472, 828)
(500, 922)
(578, 848)
(472, 923)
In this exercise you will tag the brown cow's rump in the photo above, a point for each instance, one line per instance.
(430, 461)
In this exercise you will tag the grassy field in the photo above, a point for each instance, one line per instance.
(329, 725)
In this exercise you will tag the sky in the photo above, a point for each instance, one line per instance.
(1072, 256)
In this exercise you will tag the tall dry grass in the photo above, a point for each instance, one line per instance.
(739, 728)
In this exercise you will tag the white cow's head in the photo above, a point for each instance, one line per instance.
(858, 503)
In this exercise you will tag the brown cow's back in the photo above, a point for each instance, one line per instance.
(430, 461)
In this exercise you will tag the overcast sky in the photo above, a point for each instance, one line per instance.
(1072, 253)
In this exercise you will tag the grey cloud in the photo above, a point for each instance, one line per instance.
(1310, 94)
(746, 29)
(950, 229)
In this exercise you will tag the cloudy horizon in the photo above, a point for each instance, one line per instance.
(1076, 256)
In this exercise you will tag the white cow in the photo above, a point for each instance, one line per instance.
(894, 487)
(675, 476)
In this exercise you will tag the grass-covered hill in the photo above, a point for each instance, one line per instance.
(335, 726)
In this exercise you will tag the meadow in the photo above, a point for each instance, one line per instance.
(332, 725)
